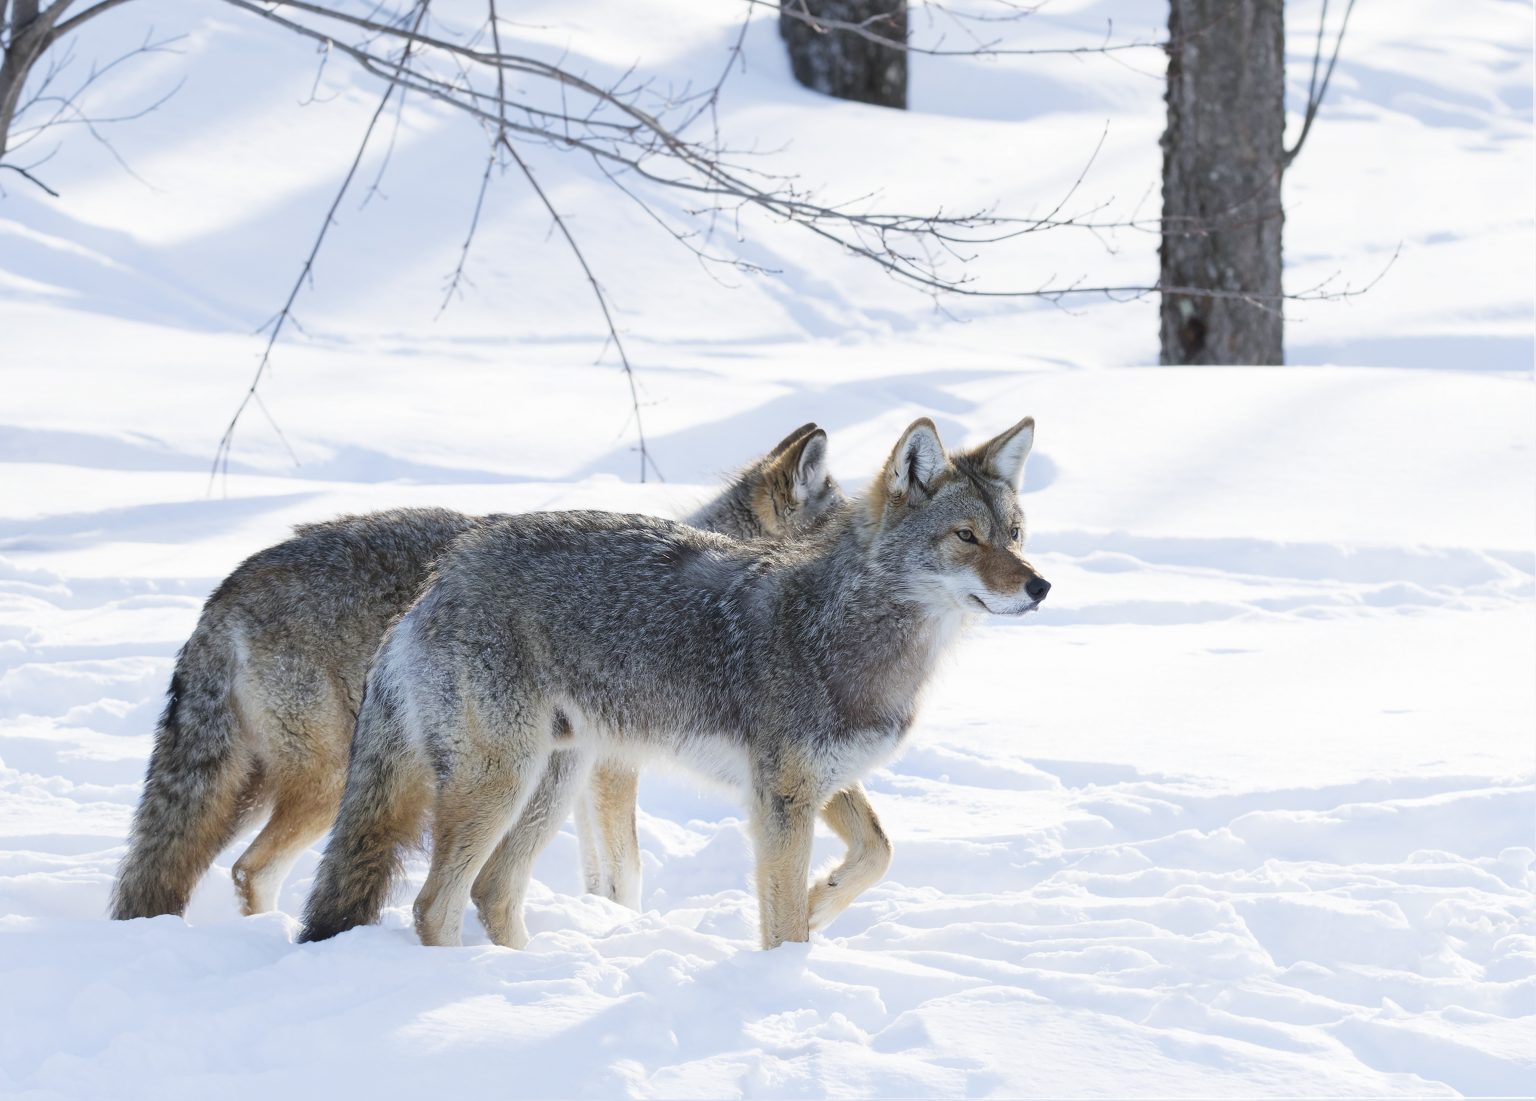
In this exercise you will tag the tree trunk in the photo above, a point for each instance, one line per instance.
(1223, 156)
(25, 42)
(844, 63)
(12, 77)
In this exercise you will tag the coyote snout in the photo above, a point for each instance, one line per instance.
(1026, 596)
(1009, 584)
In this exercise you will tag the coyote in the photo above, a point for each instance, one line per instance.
(266, 691)
(787, 669)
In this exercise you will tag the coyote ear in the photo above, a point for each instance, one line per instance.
(810, 464)
(793, 438)
(918, 458)
(796, 468)
(1004, 455)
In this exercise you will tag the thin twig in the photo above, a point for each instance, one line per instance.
(642, 137)
(490, 164)
(602, 302)
(221, 454)
(24, 174)
(1316, 91)
(867, 29)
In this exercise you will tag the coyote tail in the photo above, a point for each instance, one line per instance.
(382, 816)
(199, 785)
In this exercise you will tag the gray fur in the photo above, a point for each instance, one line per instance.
(267, 689)
(787, 668)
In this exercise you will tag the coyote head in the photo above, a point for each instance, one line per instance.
(781, 494)
(953, 521)
(792, 484)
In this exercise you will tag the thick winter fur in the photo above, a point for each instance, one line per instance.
(779, 495)
(263, 702)
(267, 690)
(787, 668)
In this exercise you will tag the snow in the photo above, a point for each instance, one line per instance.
(1247, 810)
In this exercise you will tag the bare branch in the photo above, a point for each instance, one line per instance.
(632, 140)
(602, 302)
(74, 21)
(497, 140)
(1315, 90)
(24, 174)
(868, 29)
(221, 455)
(19, 121)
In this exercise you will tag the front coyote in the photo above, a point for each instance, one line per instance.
(786, 668)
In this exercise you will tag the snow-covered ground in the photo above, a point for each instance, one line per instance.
(1248, 809)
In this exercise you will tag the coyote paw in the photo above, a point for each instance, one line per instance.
(509, 933)
(826, 902)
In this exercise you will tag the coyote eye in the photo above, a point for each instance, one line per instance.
(1014, 534)
(965, 535)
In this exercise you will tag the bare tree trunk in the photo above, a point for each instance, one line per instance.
(1223, 157)
(20, 50)
(29, 33)
(842, 62)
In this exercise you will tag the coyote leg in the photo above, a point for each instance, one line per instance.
(388, 793)
(611, 797)
(474, 807)
(783, 821)
(503, 882)
(869, 855)
(300, 816)
(305, 726)
(589, 837)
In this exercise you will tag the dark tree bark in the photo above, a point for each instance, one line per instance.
(25, 39)
(842, 62)
(1223, 158)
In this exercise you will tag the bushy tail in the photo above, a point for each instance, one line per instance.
(389, 790)
(199, 785)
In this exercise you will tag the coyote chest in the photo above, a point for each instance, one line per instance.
(724, 758)
(849, 758)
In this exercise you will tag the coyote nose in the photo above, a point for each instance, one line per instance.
(1037, 588)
